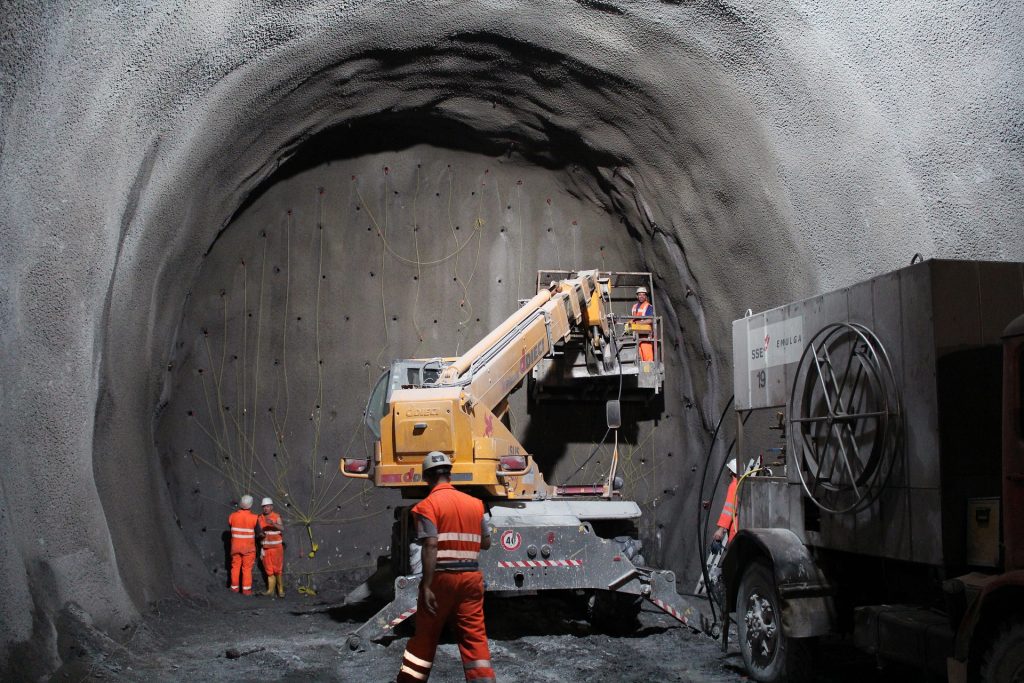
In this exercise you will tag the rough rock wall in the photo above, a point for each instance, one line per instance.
(754, 151)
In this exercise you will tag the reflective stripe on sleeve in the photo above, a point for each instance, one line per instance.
(477, 664)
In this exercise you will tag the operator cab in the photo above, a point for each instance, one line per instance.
(403, 374)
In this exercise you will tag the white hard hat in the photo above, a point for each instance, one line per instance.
(731, 465)
(642, 289)
(435, 459)
(267, 501)
(245, 502)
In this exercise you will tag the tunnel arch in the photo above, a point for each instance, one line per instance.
(611, 175)
(761, 154)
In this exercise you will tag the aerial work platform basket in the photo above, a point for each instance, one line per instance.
(576, 369)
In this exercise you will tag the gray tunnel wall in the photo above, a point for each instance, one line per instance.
(747, 153)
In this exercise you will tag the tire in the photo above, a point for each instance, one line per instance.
(769, 655)
(1003, 662)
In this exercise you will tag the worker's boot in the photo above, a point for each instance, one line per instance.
(280, 585)
(271, 580)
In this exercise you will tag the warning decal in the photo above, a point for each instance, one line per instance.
(511, 540)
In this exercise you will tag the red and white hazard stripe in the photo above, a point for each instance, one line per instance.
(542, 563)
(670, 610)
(401, 617)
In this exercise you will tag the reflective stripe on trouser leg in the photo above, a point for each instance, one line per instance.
(470, 630)
(248, 559)
(423, 644)
(479, 671)
(415, 666)
(236, 570)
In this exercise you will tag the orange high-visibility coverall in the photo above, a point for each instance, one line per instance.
(243, 549)
(645, 347)
(457, 520)
(729, 519)
(273, 547)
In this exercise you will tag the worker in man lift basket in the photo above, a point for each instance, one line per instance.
(643, 326)
(272, 548)
(245, 529)
(451, 527)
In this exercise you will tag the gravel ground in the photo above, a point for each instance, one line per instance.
(532, 639)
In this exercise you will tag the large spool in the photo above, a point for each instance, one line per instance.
(845, 418)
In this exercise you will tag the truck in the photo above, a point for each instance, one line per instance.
(576, 340)
(887, 499)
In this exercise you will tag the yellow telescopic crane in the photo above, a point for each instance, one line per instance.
(457, 406)
(573, 538)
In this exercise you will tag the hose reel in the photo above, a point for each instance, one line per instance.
(845, 418)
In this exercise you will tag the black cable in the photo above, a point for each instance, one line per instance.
(607, 432)
(701, 520)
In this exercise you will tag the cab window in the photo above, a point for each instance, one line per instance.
(377, 406)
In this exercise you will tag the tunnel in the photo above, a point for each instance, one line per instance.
(221, 222)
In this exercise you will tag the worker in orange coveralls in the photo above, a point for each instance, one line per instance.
(644, 326)
(450, 525)
(244, 529)
(272, 548)
(728, 521)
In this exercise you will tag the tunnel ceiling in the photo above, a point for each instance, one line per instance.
(749, 153)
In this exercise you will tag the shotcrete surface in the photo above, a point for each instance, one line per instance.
(752, 152)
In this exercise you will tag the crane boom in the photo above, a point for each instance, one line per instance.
(568, 339)
(457, 405)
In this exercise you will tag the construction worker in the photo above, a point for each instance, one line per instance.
(728, 521)
(244, 530)
(272, 548)
(451, 527)
(643, 327)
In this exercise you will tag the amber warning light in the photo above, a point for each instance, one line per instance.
(513, 463)
(353, 466)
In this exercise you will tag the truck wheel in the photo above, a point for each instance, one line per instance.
(768, 654)
(1004, 660)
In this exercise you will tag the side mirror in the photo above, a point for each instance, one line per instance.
(613, 414)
